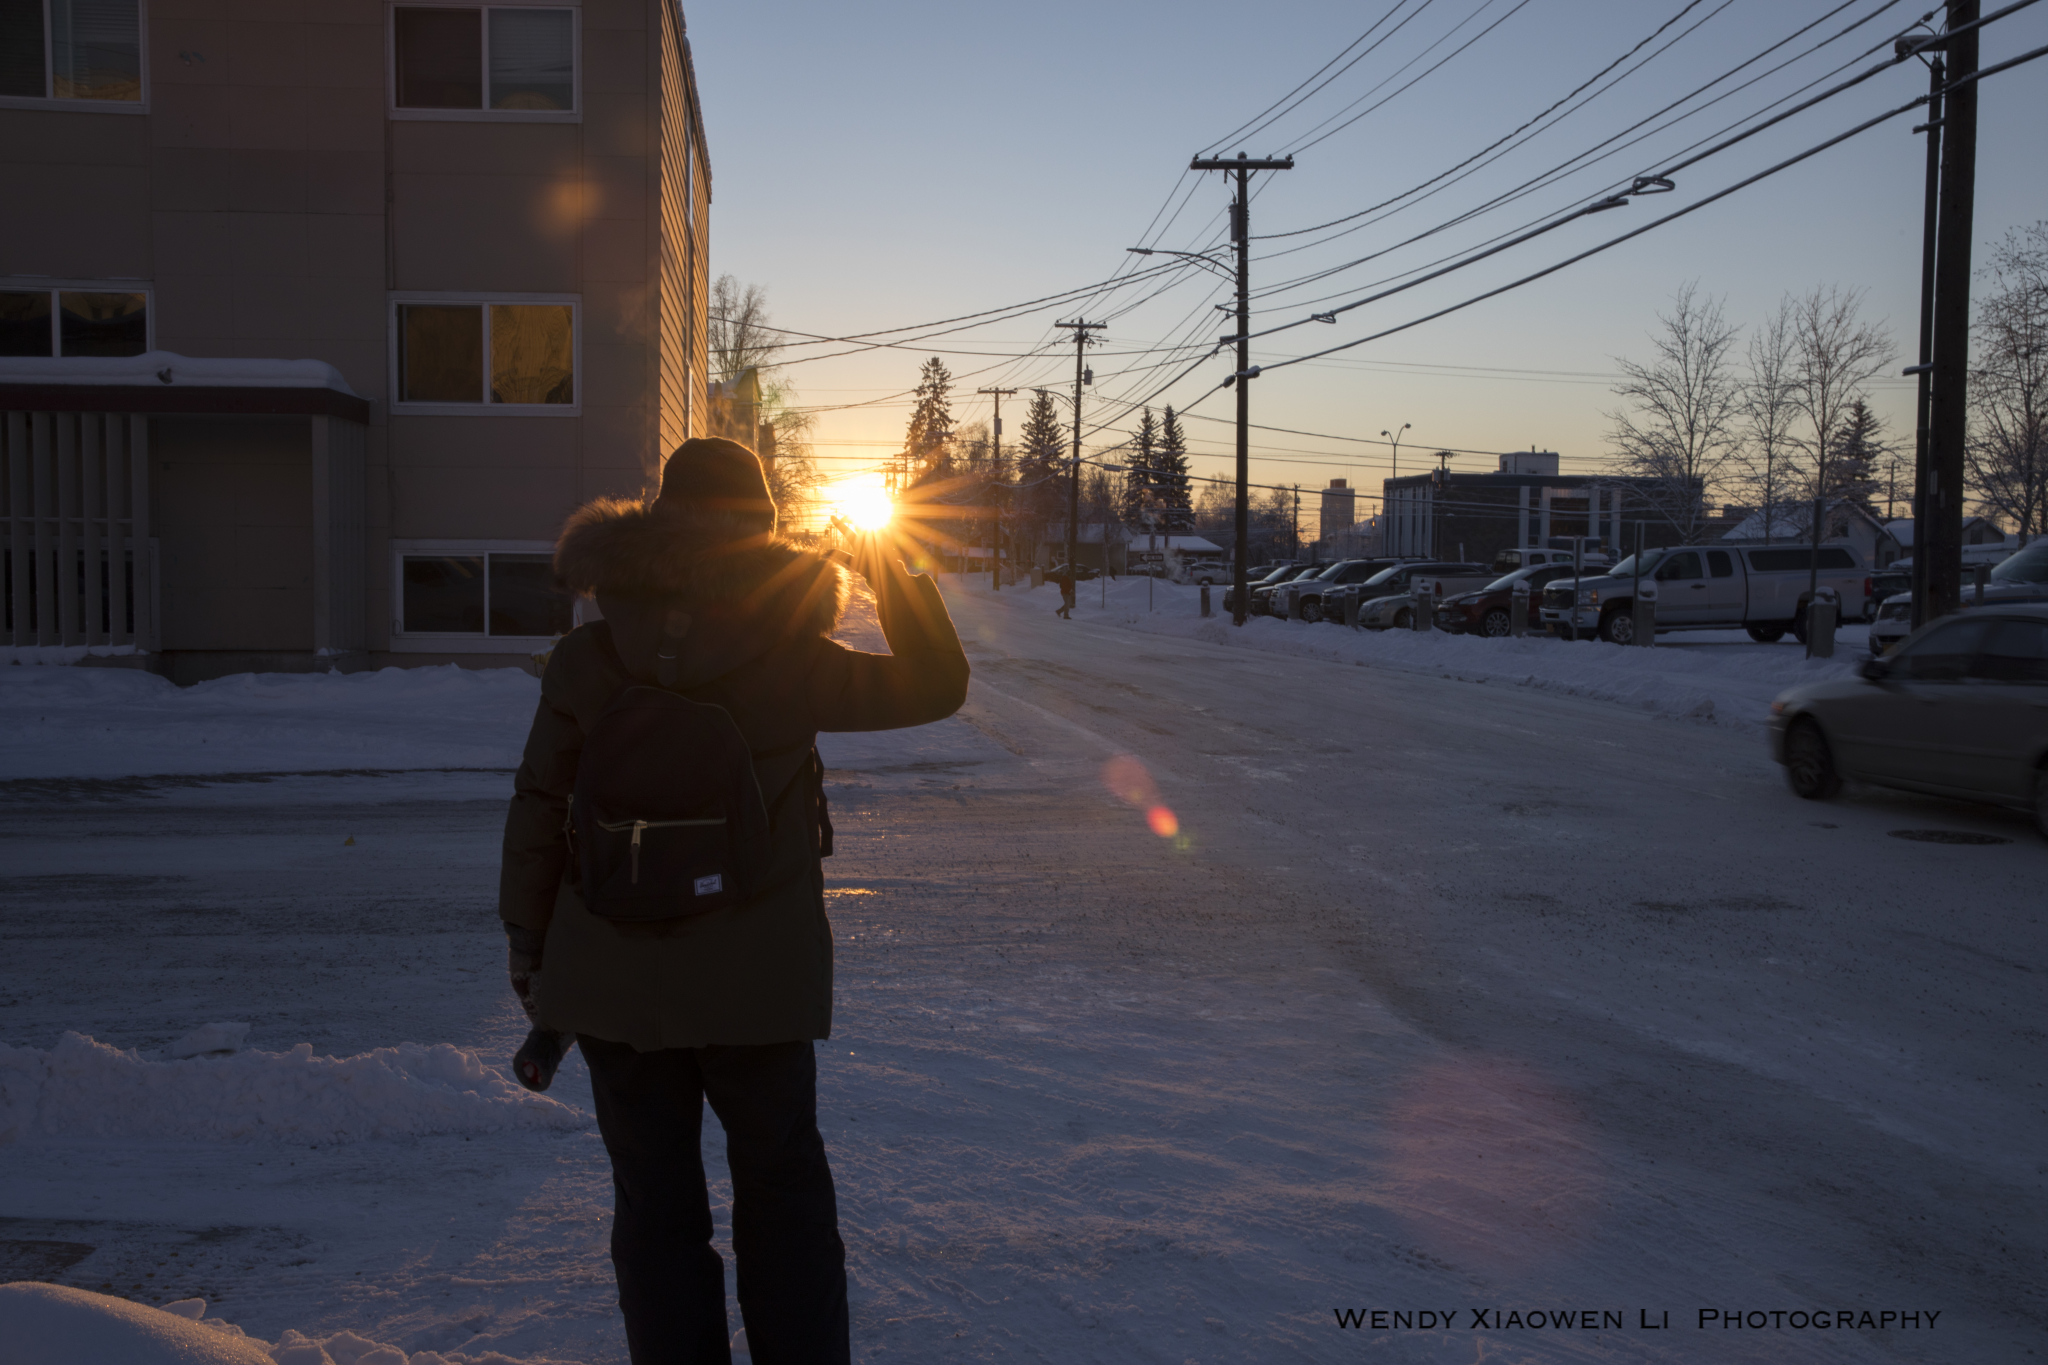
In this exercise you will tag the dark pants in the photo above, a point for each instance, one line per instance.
(785, 1219)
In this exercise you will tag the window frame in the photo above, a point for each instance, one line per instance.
(483, 407)
(51, 101)
(393, 110)
(460, 642)
(32, 284)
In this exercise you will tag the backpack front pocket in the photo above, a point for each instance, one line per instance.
(657, 869)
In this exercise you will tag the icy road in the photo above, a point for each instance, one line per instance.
(1438, 998)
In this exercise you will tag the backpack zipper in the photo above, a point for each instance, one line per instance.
(638, 825)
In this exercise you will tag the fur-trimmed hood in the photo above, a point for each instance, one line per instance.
(709, 560)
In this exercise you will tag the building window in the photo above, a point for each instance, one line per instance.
(480, 594)
(470, 61)
(88, 51)
(485, 354)
(73, 322)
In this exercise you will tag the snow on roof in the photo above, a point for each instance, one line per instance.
(1183, 544)
(1792, 519)
(168, 369)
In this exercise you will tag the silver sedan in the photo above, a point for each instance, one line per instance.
(1959, 709)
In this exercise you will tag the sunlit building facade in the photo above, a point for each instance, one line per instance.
(317, 318)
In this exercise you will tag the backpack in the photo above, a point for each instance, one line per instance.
(666, 818)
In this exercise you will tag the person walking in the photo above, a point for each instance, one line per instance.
(1065, 578)
(700, 598)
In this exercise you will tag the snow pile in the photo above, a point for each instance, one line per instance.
(119, 722)
(1684, 675)
(48, 1324)
(84, 1088)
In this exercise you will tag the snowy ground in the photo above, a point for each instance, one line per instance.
(1498, 990)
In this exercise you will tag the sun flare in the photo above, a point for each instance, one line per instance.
(864, 502)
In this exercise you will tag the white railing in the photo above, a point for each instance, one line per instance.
(74, 529)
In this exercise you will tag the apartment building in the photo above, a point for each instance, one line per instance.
(318, 316)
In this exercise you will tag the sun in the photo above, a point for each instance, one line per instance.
(863, 502)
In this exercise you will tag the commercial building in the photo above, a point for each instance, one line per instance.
(1527, 503)
(317, 318)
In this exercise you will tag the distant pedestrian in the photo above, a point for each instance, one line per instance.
(1065, 578)
(712, 626)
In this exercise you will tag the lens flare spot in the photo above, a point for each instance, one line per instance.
(1163, 822)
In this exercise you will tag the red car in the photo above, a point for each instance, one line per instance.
(1489, 611)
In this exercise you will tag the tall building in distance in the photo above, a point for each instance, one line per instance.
(316, 319)
(1339, 510)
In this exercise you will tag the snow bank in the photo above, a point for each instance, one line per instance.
(118, 722)
(48, 1324)
(1684, 675)
(84, 1088)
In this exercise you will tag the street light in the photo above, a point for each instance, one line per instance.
(1395, 437)
(1197, 256)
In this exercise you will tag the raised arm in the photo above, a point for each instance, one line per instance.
(922, 679)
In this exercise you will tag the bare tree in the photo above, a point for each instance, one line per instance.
(740, 338)
(2008, 446)
(738, 332)
(1767, 462)
(1835, 354)
(1680, 425)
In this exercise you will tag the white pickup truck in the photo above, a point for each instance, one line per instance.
(1760, 588)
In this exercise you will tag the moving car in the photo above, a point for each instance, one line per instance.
(1959, 709)
(1490, 611)
(1762, 588)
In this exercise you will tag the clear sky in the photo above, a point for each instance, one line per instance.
(904, 161)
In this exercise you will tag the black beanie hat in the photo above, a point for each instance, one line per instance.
(718, 475)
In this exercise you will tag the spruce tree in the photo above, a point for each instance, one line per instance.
(1853, 460)
(1041, 467)
(1170, 475)
(929, 442)
(1139, 498)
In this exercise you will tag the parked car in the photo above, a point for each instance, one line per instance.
(1388, 601)
(1253, 581)
(1490, 611)
(1760, 588)
(1507, 561)
(1082, 573)
(1891, 622)
(2020, 577)
(1316, 592)
(1888, 583)
(1959, 709)
(1262, 596)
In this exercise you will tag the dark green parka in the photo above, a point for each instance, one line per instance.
(756, 616)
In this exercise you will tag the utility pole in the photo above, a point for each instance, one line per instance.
(995, 549)
(1938, 540)
(1241, 235)
(1081, 331)
(1937, 75)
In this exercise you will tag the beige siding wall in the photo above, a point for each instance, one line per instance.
(273, 206)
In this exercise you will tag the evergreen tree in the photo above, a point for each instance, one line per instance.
(1856, 452)
(929, 442)
(1041, 467)
(1170, 475)
(1138, 499)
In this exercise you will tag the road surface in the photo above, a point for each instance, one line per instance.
(1444, 996)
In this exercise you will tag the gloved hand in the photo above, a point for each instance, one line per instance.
(525, 971)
